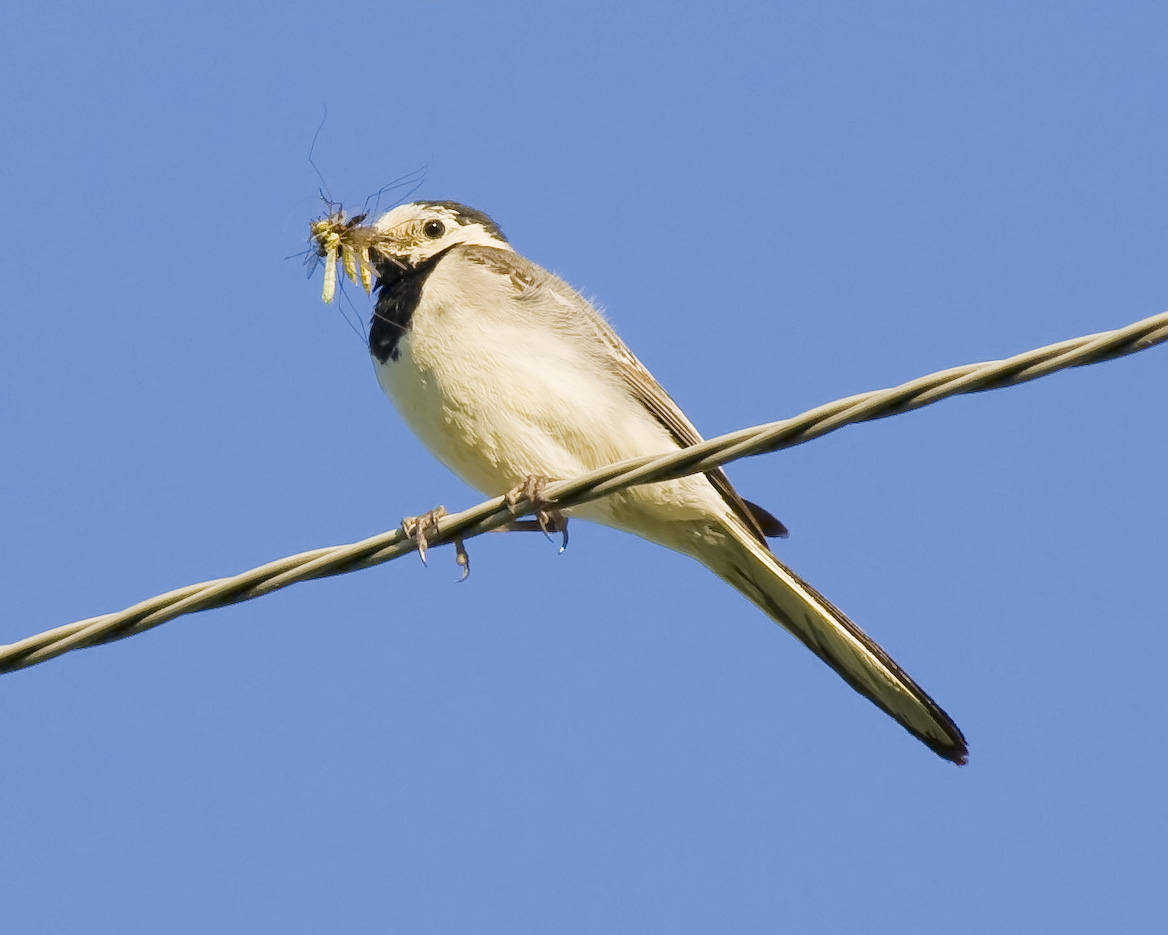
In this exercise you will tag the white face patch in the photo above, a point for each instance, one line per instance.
(406, 231)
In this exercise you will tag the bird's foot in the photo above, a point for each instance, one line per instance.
(546, 521)
(531, 489)
(417, 528)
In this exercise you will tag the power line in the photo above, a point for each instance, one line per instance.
(760, 439)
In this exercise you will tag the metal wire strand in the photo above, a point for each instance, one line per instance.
(760, 439)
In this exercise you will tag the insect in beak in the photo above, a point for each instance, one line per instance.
(337, 237)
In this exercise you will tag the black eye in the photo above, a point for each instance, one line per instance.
(433, 229)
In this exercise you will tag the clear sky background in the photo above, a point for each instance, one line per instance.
(778, 204)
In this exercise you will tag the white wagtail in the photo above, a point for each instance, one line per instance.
(511, 378)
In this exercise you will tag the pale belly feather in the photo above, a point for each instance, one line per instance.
(496, 407)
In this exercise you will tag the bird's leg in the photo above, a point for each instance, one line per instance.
(546, 521)
(416, 528)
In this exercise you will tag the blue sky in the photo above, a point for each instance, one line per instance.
(778, 205)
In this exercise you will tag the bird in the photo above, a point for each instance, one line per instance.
(512, 379)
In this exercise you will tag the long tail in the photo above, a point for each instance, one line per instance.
(749, 567)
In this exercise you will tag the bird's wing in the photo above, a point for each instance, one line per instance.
(530, 281)
(653, 397)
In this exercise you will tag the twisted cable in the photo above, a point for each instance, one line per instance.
(760, 439)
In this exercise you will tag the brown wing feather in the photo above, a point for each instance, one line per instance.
(528, 279)
(651, 395)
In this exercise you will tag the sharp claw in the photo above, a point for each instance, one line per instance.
(415, 528)
(463, 558)
(409, 526)
(545, 520)
(420, 538)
